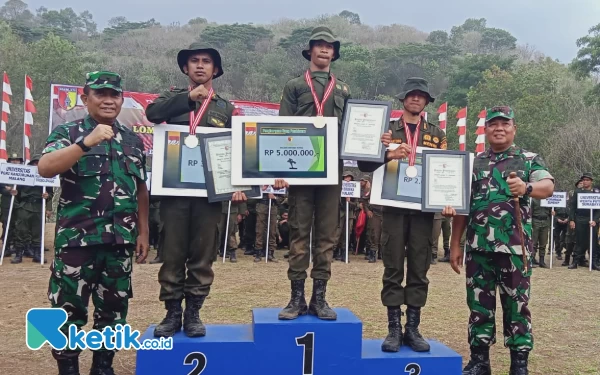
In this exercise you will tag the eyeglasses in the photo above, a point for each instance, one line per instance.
(503, 125)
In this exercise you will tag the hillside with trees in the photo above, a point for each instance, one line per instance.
(470, 65)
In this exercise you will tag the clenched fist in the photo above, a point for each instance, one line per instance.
(199, 93)
(100, 134)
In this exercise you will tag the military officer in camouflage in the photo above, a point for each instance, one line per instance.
(570, 237)
(495, 255)
(7, 192)
(262, 217)
(228, 234)
(541, 230)
(303, 96)
(250, 227)
(561, 224)
(340, 249)
(581, 224)
(374, 223)
(102, 215)
(406, 234)
(28, 218)
(190, 231)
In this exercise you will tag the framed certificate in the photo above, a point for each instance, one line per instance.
(393, 188)
(363, 125)
(216, 158)
(446, 180)
(301, 150)
(177, 170)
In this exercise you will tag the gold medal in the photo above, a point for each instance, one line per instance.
(191, 141)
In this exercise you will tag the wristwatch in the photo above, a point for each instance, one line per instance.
(529, 189)
(79, 142)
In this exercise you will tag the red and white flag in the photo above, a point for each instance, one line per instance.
(443, 112)
(480, 141)
(29, 110)
(6, 94)
(462, 129)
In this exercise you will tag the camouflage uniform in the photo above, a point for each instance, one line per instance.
(250, 227)
(28, 218)
(540, 229)
(96, 228)
(373, 225)
(570, 237)
(262, 216)
(494, 253)
(229, 234)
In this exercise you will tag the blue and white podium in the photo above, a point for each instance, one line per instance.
(305, 346)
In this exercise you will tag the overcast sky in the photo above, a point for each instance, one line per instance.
(552, 26)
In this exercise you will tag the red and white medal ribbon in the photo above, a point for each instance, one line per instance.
(412, 140)
(191, 140)
(328, 90)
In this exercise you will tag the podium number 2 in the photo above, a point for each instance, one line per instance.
(308, 342)
(412, 369)
(200, 360)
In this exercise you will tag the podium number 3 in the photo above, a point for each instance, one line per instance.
(308, 342)
(200, 360)
(412, 369)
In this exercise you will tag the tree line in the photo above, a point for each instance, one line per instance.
(471, 65)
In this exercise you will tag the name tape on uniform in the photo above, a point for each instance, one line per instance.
(268, 189)
(558, 199)
(588, 201)
(25, 175)
(350, 189)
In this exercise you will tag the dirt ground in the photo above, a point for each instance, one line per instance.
(565, 306)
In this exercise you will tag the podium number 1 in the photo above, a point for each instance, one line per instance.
(308, 342)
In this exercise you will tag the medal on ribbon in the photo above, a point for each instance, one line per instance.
(320, 121)
(412, 140)
(191, 141)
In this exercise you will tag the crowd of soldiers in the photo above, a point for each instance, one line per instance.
(248, 228)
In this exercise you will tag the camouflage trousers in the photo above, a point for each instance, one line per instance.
(102, 272)
(487, 272)
(374, 229)
(28, 228)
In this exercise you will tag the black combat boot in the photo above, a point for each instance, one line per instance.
(446, 258)
(232, 256)
(297, 305)
(249, 250)
(257, 255)
(192, 324)
(574, 264)
(102, 363)
(342, 255)
(18, 256)
(171, 324)
(518, 363)
(372, 257)
(272, 256)
(337, 253)
(542, 263)
(480, 362)
(393, 341)
(412, 336)
(68, 366)
(28, 252)
(156, 260)
(318, 306)
(37, 256)
(567, 260)
(433, 260)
